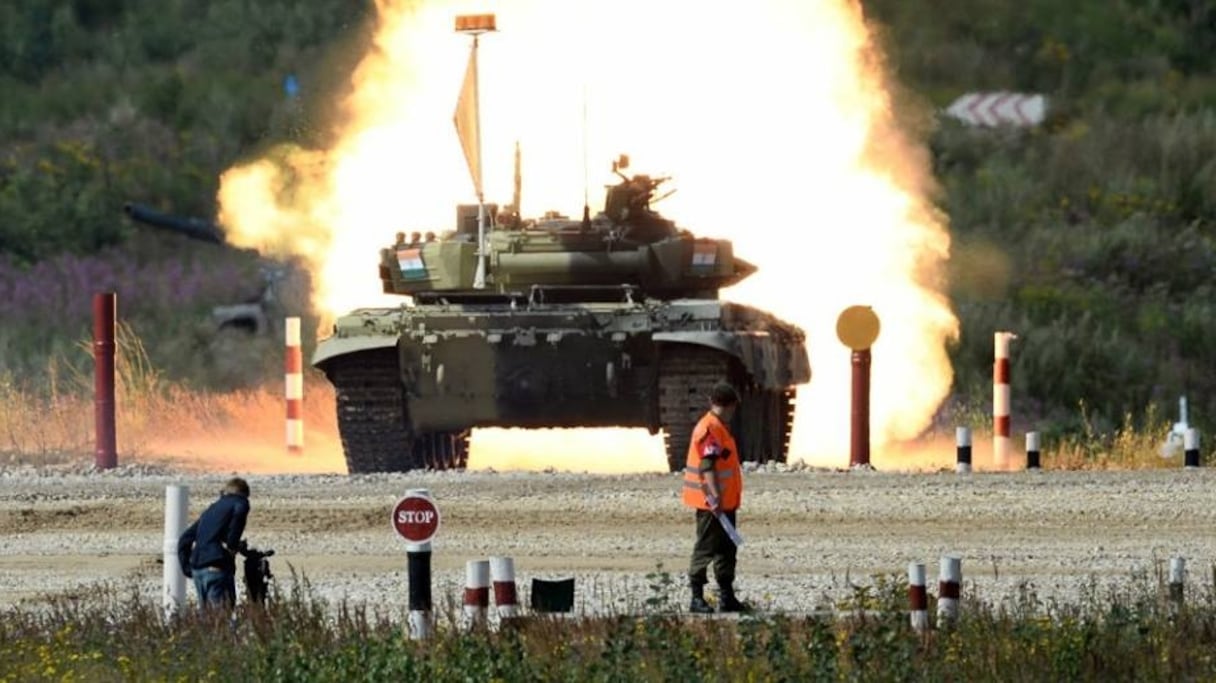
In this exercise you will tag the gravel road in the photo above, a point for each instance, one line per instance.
(809, 533)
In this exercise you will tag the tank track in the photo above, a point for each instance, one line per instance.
(371, 412)
(764, 423)
(373, 424)
(687, 374)
(787, 404)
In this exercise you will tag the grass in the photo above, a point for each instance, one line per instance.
(1133, 632)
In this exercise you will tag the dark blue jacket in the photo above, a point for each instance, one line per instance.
(213, 539)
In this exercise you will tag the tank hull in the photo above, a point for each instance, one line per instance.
(645, 364)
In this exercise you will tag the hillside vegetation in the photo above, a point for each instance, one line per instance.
(1091, 237)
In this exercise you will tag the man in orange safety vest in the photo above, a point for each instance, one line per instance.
(713, 484)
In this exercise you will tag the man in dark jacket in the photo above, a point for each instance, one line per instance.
(207, 549)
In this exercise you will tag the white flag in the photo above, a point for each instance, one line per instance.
(466, 121)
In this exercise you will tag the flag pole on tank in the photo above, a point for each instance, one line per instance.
(468, 129)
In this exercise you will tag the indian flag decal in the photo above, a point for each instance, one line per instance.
(704, 255)
(410, 261)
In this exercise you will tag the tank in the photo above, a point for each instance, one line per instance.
(256, 315)
(605, 321)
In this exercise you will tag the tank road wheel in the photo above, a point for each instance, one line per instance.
(687, 374)
(442, 450)
(371, 411)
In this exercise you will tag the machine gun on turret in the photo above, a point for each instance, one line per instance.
(628, 204)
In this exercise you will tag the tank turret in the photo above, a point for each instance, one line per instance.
(255, 315)
(613, 320)
(627, 245)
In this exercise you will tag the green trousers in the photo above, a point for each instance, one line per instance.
(712, 546)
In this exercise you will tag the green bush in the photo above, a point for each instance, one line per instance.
(1091, 236)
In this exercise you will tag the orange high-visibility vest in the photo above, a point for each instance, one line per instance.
(711, 436)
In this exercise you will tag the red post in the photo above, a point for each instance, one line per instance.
(859, 452)
(104, 306)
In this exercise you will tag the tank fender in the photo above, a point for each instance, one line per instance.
(721, 341)
(340, 346)
(770, 365)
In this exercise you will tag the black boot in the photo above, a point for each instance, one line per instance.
(698, 604)
(731, 603)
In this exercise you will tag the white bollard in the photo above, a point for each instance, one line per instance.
(174, 592)
(918, 599)
(962, 437)
(1032, 451)
(1001, 400)
(476, 592)
(502, 574)
(1190, 447)
(294, 366)
(949, 589)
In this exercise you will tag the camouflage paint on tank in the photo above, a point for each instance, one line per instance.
(607, 321)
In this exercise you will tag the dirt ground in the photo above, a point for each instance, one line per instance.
(809, 534)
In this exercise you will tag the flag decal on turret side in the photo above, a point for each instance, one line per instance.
(410, 261)
(704, 256)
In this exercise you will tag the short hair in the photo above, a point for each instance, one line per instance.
(723, 394)
(236, 486)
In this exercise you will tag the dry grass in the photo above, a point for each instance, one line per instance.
(54, 423)
(1128, 448)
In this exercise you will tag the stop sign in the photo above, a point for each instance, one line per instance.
(416, 517)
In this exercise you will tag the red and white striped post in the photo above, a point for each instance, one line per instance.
(1001, 400)
(476, 592)
(502, 574)
(918, 599)
(948, 589)
(294, 366)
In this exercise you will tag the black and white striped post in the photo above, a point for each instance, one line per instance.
(962, 439)
(419, 566)
(1190, 445)
(476, 593)
(502, 575)
(1177, 581)
(949, 590)
(918, 598)
(1032, 450)
(416, 519)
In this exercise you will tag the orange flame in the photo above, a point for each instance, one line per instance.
(772, 118)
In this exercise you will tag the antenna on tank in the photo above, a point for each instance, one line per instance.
(518, 183)
(586, 201)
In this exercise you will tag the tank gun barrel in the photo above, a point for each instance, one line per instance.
(194, 228)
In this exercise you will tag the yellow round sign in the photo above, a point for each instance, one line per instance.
(857, 327)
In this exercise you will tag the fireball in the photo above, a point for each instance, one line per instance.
(773, 118)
